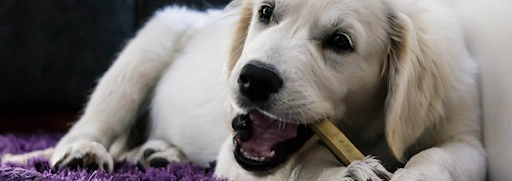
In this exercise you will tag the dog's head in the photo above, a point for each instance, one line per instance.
(294, 62)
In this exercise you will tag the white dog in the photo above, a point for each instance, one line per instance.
(395, 76)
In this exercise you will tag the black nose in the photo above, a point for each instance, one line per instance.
(258, 81)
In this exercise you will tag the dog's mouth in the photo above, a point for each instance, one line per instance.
(262, 143)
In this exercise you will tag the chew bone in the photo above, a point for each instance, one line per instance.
(337, 142)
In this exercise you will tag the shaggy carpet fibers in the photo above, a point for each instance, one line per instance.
(39, 168)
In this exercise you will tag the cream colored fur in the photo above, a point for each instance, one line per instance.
(406, 93)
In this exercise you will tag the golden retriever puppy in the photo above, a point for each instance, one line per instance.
(241, 85)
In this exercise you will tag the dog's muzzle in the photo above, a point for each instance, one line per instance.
(262, 143)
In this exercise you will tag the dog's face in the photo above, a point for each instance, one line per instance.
(301, 61)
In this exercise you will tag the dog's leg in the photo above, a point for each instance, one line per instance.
(452, 161)
(121, 91)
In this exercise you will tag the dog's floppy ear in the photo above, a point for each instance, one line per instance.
(240, 34)
(417, 83)
(235, 4)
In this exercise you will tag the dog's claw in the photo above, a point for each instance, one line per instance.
(75, 163)
(86, 155)
(148, 152)
(159, 162)
(92, 166)
(158, 153)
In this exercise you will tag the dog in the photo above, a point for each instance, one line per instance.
(240, 86)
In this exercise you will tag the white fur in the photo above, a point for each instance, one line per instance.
(488, 25)
(407, 92)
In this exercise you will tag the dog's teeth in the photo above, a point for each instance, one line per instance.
(272, 154)
(254, 157)
(245, 153)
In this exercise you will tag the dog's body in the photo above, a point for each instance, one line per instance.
(395, 77)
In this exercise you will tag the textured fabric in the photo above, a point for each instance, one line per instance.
(39, 168)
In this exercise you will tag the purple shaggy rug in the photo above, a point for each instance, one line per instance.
(39, 168)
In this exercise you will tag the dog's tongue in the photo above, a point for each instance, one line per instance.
(266, 133)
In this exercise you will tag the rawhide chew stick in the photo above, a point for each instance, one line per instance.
(337, 142)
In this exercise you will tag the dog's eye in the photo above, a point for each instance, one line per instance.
(266, 13)
(339, 41)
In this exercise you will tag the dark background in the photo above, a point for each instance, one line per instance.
(53, 51)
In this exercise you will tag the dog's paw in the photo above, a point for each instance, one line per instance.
(370, 169)
(158, 153)
(85, 154)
